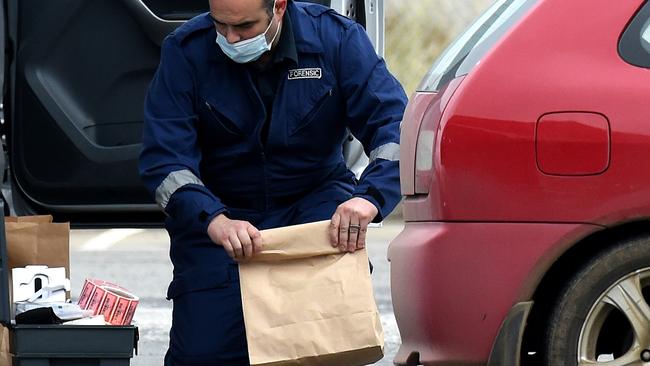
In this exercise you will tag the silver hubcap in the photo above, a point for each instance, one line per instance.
(619, 320)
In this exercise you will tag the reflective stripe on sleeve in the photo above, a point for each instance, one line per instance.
(172, 183)
(389, 151)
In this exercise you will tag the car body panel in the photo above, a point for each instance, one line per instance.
(491, 224)
(453, 283)
(489, 170)
(486, 142)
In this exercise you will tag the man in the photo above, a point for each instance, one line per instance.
(244, 124)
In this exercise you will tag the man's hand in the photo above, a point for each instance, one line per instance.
(350, 224)
(239, 238)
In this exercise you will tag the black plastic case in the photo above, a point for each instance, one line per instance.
(62, 345)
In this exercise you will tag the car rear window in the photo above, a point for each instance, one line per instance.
(634, 46)
(474, 43)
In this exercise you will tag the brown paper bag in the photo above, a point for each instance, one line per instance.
(34, 240)
(305, 303)
(5, 353)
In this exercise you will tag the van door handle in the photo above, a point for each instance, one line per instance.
(155, 27)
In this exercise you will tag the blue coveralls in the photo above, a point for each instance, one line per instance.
(202, 156)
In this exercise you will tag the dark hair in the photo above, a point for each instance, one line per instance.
(268, 6)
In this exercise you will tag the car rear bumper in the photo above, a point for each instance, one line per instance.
(453, 284)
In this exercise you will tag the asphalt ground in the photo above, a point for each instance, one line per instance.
(138, 260)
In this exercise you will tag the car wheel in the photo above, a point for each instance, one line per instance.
(602, 316)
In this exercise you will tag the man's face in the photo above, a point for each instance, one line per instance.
(238, 20)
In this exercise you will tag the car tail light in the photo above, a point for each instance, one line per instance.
(418, 139)
(408, 140)
(424, 151)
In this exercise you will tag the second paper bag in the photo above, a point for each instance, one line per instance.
(305, 303)
(36, 240)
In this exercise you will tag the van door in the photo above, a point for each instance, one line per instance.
(76, 75)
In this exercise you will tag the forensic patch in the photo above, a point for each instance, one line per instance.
(311, 73)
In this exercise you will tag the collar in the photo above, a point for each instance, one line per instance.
(286, 47)
(304, 28)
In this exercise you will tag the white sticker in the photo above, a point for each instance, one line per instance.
(310, 73)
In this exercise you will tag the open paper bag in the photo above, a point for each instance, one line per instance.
(305, 303)
(33, 240)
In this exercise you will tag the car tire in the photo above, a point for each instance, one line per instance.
(602, 316)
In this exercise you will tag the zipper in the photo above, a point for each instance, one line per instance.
(262, 147)
(310, 116)
(230, 127)
(266, 181)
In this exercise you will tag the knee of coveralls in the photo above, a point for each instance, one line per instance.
(207, 319)
(208, 325)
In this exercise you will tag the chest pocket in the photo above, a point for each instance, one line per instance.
(217, 128)
(321, 115)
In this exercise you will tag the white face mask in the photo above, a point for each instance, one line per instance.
(249, 49)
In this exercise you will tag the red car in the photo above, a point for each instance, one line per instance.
(526, 174)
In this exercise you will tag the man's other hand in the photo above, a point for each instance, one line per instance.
(350, 224)
(239, 238)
